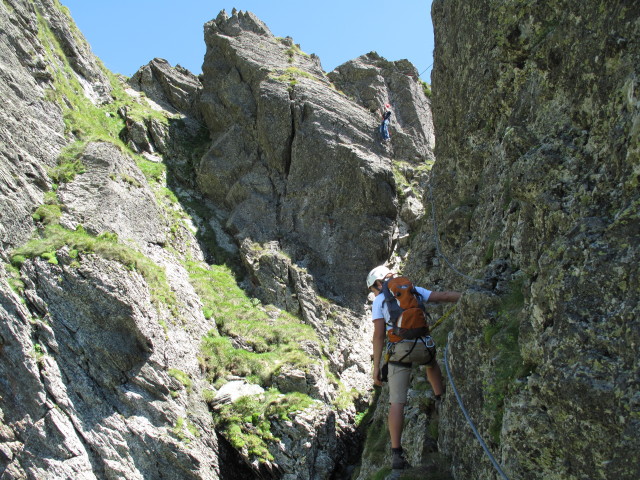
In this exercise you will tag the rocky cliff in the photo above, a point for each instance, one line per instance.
(184, 256)
(536, 200)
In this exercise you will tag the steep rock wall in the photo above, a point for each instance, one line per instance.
(294, 160)
(536, 200)
(85, 346)
(101, 328)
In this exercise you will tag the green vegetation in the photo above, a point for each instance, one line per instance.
(345, 397)
(47, 214)
(271, 333)
(87, 122)
(38, 352)
(153, 171)
(185, 430)
(501, 338)
(400, 180)
(291, 76)
(84, 120)
(382, 473)
(246, 423)
(69, 164)
(54, 237)
(14, 279)
(426, 88)
(8, 6)
(182, 377)
(405, 175)
(293, 50)
(50, 212)
(271, 339)
(377, 433)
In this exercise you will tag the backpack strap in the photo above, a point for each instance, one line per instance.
(392, 305)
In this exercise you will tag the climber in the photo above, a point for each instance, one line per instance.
(384, 126)
(399, 363)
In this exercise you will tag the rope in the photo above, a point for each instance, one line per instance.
(466, 414)
(437, 239)
(419, 75)
(444, 317)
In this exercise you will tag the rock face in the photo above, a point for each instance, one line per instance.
(294, 160)
(101, 326)
(373, 82)
(174, 89)
(85, 347)
(266, 163)
(32, 129)
(536, 196)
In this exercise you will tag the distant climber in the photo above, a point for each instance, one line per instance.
(400, 355)
(384, 126)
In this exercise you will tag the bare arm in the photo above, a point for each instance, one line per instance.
(378, 345)
(450, 297)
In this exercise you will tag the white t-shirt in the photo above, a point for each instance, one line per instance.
(379, 309)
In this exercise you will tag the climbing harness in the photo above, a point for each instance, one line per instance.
(466, 414)
(428, 343)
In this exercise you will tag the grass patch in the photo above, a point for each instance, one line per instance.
(84, 120)
(219, 358)
(345, 398)
(185, 430)
(293, 50)
(47, 214)
(54, 237)
(153, 171)
(402, 184)
(270, 338)
(69, 164)
(265, 329)
(182, 377)
(14, 279)
(426, 88)
(246, 423)
(291, 76)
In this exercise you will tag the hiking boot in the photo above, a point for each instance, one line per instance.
(399, 462)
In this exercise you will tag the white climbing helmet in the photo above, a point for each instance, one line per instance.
(378, 273)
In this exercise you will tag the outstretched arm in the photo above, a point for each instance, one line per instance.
(450, 297)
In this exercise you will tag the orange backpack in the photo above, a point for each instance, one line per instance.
(408, 318)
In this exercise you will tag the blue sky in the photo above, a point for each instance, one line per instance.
(127, 34)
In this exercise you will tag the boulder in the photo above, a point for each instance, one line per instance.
(175, 89)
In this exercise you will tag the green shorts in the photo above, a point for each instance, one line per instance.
(399, 375)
